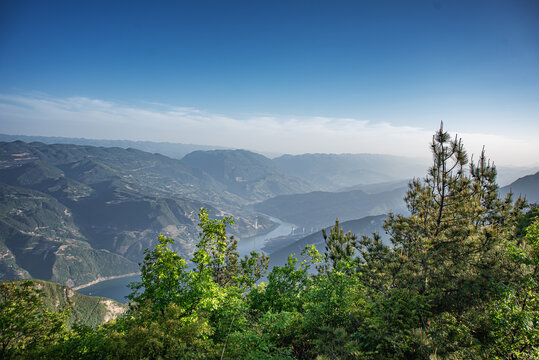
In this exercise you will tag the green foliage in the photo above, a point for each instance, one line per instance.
(515, 311)
(172, 334)
(209, 299)
(164, 278)
(448, 254)
(215, 251)
(26, 326)
(285, 285)
(218, 254)
(339, 247)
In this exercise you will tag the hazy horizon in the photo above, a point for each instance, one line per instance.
(276, 77)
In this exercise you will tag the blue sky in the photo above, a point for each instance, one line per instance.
(279, 76)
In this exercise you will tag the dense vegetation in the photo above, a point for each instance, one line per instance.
(83, 309)
(459, 281)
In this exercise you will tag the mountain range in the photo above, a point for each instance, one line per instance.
(319, 209)
(172, 150)
(327, 172)
(72, 214)
(249, 175)
(77, 213)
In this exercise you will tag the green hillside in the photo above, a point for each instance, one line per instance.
(39, 238)
(73, 214)
(88, 310)
(152, 173)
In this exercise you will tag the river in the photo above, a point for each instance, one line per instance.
(256, 243)
(117, 289)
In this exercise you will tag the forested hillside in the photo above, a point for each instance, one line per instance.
(83, 310)
(74, 214)
(250, 175)
(457, 280)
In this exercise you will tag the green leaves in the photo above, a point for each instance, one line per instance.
(514, 313)
(164, 278)
(27, 328)
(218, 255)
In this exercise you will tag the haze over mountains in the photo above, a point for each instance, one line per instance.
(247, 174)
(74, 214)
(173, 150)
(527, 186)
(321, 169)
(316, 209)
(330, 172)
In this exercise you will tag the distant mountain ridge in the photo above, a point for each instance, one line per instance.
(527, 186)
(334, 172)
(374, 167)
(173, 150)
(319, 209)
(247, 174)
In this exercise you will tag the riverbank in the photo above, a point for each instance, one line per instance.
(256, 243)
(117, 287)
(102, 279)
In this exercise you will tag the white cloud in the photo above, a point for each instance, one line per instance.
(94, 118)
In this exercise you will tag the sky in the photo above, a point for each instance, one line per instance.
(276, 76)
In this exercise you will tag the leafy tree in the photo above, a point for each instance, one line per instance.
(176, 333)
(164, 278)
(207, 302)
(27, 328)
(218, 253)
(215, 251)
(515, 310)
(286, 284)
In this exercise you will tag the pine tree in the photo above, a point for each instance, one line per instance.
(339, 247)
(450, 249)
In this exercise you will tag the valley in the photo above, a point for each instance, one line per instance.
(82, 215)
